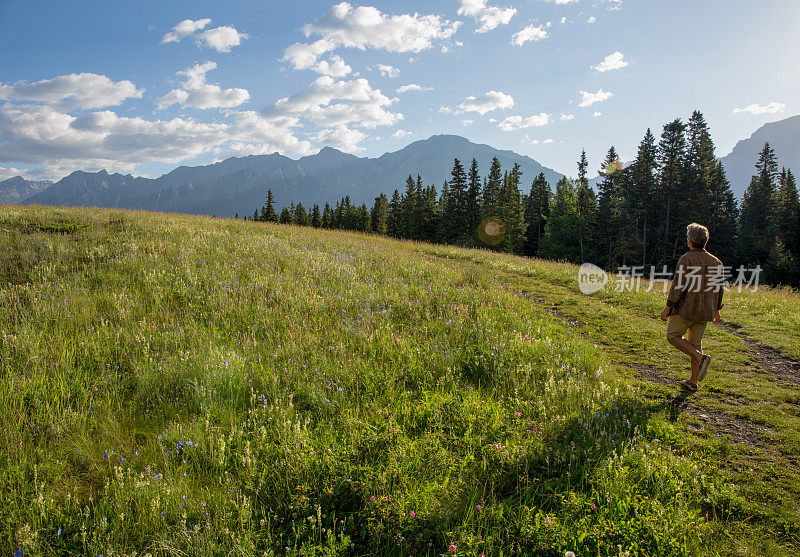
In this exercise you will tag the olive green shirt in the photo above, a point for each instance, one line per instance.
(697, 286)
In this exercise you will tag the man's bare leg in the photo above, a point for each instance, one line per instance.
(692, 351)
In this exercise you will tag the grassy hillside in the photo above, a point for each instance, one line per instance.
(183, 384)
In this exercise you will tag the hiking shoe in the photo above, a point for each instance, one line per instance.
(704, 367)
(688, 386)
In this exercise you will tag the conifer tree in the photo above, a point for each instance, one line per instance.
(511, 212)
(638, 192)
(286, 216)
(473, 200)
(491, 192)
(429, 214)
(455, 214)
(379, 214)
(327, 216)
(562, 232)
(316, 217)
(585, 211)
(271, 215)
(362, 219)
(410, 210)
(393, 219)
(722, 216)
(756, 220)
(300, 215)
(788, 209)
(609, 211)
(671, 156)
(537, 211)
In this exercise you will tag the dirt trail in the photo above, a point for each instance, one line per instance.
(768, 360)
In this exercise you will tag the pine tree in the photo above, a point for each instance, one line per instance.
(722, 216)
(316, 217)
(255, 215)
(410, 210)
(393, 219)
(286, 216)
(562, 232)
(300, 215)
(472, 214)
(429, 214)
(511, 212)
(671, 156)
(788, 212)
(609, 211)
(491, 192)
(585, 211)
(271, 215)
(327, 216)
(379, 214)
(757, 230)
(455, 216)
(638, 199)
(700, 169)
(537, 211)
(362, 219)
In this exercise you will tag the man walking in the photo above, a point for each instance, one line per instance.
(694, 299)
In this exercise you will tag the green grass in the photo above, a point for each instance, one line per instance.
(207, 386)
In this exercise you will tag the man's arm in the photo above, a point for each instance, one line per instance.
(675, 291)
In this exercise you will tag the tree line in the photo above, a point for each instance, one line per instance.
(637, 216)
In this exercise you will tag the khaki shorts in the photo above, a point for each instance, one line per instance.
(677, 327)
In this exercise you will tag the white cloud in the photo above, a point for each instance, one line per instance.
(512, 123)
(388, 71)
(184, 29)
(588, 99)
(42, 135)
(343, 137)
(10, 172)
(73, 91)
(563, 20)
(332, 103)
(613, 61)
(566, 117)
(597, 113)
(493, 100)
(412, 87)
(196, 93)
(563, 1)
(489, 17)
(529, 33)
(467, 122)
(591, 19)
(771, 108)
(334, 67)
(367, 27)
(537, 141)
(400, 134)
(221, 39)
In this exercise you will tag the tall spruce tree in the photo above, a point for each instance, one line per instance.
(788, 212)
(639, 191)
(722, 215)
(671, 156)
(394, 218)
(511, 212)
(300, 215)
(316, 217)
(537, 211)
(271, 215)
(380, 213)
(757, 217)
(609, 211)
(585, 211)
(491, 192)
(472, 208)
(562, 231)
(327, 216)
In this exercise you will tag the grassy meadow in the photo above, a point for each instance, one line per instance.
(179, 385)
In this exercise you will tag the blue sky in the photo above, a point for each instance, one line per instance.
(143, 86)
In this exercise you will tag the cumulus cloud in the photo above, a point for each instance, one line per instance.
(613, 61)
(588, 99)
(221, 39)
(467, 122)
(566, 117)
(489, 17)
(539, 141)
(42, 135)
(772, 108)
(388, 71)
(367, 27)
(493, 100)
(184, 29)
(512, 123)
(330, 103)
(7, 172)
(591, 19)
(197, 93)
(597, 113)
(400, 134)
(73, 91)
(344, 137)
(529, 33)
(412, 87)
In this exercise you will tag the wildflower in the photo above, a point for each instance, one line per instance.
(372, 498)
(478, 507)
(413, 514)
(452, 548)
(594, 507)
(518, 414)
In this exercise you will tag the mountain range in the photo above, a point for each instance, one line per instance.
(238, 185)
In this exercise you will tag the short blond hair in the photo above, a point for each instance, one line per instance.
(697, 234)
